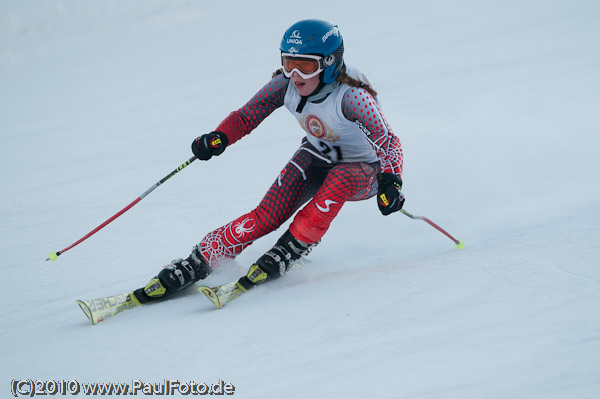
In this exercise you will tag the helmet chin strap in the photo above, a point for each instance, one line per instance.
(320, 86)
(304, 99)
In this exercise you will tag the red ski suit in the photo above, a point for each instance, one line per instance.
(333, 166)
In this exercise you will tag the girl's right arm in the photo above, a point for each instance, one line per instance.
(242, 121)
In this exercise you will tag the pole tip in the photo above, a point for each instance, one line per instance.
(460, 244)
(53, 256)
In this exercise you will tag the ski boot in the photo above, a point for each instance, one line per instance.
(277, 261)
(272, 265)
(175, 277)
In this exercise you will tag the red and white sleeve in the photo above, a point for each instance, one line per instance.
(359, 106)
(242, 121)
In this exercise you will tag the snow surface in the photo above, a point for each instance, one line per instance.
(496, 104)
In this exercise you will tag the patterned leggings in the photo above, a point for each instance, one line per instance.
(307, 176)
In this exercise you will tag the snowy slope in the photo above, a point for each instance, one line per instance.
(496, 104)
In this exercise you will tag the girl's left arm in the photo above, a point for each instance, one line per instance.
(360, 107)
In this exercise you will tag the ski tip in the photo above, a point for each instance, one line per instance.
(211, 295)
(460, 244)
(86, 310)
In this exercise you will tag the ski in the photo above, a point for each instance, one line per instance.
(221, 295)
(100, 309)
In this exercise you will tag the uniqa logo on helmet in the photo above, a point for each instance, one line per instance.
(295, 38)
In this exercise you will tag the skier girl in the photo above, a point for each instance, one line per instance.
(349, 154)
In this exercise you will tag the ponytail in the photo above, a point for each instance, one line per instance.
(277, 73)
(343, 77)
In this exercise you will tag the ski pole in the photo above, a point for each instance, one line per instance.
(459, 243)
(54, 255)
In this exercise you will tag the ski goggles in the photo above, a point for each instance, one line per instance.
(306, 65)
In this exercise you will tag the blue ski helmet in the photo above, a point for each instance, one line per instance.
(316, 37)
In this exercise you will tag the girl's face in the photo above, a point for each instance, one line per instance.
(305, 87)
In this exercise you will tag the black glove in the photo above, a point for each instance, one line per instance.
(207, 145)
(389, 196)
